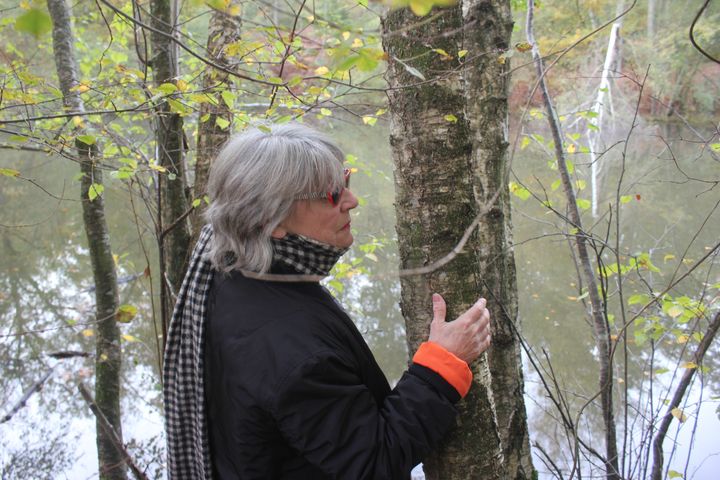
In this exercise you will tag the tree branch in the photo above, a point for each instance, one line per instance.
(110, 432)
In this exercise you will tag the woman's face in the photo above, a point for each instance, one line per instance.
(320, 220)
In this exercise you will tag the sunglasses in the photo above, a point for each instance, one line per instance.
(332, 197)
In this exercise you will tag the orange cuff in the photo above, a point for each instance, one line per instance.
(454, 370)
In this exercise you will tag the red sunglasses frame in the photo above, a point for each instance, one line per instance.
(332, 197)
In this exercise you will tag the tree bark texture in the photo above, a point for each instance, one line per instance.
(487, 36)
(446, 167)
(223, 30)
(108, 358)
(170, 144)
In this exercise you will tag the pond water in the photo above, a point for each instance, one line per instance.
(46, 302)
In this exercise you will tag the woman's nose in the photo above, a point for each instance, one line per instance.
(348, 200)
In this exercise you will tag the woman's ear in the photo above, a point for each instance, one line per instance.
(279, 232)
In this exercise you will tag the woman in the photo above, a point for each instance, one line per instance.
(265, 375)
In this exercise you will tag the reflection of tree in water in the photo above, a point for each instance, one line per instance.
(47, 306)
(46, 457)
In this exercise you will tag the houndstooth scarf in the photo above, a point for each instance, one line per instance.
(186, 426)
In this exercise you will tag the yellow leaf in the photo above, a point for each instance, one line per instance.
(689, 365)
(667, 257)
(450, 118)
(677, 413)
(571, 148)
(234, 10)
(682, 339)
(78, 121)
(523, 46)
(421, 7)
(613, 338)
(182, 85)
(462, 53)
(325, 112)
(126, 313)
(103, 357)
(157, 167)
(501, 59)
(357, 43)
(321, 70)
(368, 120)
(345, 35)
(9, 172)
(87, 333)
(129, 338)
(675, 311)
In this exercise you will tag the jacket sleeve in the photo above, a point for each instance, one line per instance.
(327, 413)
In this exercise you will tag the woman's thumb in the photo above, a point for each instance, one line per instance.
(439, 308)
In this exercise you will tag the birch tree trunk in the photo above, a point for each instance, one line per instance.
(488, 30)
(107, 348)
(215, 119)
(174, 234)
(448, 129)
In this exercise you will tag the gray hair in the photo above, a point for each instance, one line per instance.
(252, 186)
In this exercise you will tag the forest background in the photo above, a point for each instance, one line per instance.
(639, 116)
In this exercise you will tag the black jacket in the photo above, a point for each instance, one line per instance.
(294, 392)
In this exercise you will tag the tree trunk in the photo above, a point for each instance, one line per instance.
(223, 29)
(489, 28)
(582, 242)
(449, 159)
(107, 349)
(174, 231)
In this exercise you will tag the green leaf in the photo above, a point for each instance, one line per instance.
(450, 118)
(167, 88)
(95, 190)
(126, 313)
(229, 99)
(325, 112)
(87, 139)
(583, 204)
(35, 22)
(519, 191)
(625, 198)
(556, 184)
(638, 299)
(524, 143)
(178, 107)
(674, 474)
(9, 172)
(222, 123)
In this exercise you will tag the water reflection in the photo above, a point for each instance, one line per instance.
(46, 307)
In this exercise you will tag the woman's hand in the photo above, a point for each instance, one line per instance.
(468, 336)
